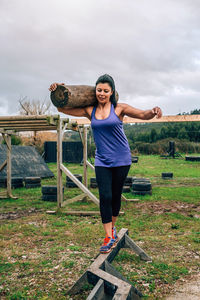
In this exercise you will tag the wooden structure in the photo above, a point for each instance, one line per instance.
(164, 119)
(107, 281)
(11, 124)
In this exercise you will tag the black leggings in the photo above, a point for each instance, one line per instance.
(110, 183)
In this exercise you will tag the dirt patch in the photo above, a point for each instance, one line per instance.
(189, 209)
(12, 215)
(185, 290)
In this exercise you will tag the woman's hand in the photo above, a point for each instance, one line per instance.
(54, 85)
(157, 112)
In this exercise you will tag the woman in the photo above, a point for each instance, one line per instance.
(113, 156)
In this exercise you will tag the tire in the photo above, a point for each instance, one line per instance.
(32, 185)
(128, 180)
(49, 197)
(134, 192)
(71, 185)
(78, 176)
(140, 179)
(192, 158)
(50, 190)
(93, 180)
(126, 189)
(31, 180)
(93, 185)
(134, 159)
(17, 185)
(16, 180)
(141, 186)
(167, 175)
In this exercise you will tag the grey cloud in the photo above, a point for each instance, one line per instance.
(151, 48)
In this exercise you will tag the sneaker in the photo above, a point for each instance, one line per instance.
(107, 245)
(114, 234)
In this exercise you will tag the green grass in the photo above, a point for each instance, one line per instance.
(42, 255)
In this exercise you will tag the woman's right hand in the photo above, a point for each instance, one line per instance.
(54, 85)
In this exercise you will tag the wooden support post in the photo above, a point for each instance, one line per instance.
(8, 142)
(85, 155)
(59, 162)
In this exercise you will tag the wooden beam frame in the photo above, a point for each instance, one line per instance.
(167, 119)
(105, 278)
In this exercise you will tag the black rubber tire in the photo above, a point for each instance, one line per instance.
(129, 180)
(78, 176)
(51, 198)
(93, 180)
(32, 185)
(134, 159)
(93, 185)
(126, 189)
(31, 180)
(142, 179)
(141, 186)
(50, 190)
(192, 158)
(167, 175)
(17, 185)
(71, 185)
(16, 180)
(134, 192)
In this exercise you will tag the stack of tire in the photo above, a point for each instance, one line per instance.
(32, 182)
(49, 193)
(127, 184)
(168, 175)
(70, 183)
(192, 158)
(134, 159)
(93, 182)
(141, 186)
(16, 182)
(3, 182)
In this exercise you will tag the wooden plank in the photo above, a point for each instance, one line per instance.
(3, 165)
(85, 156)
(98, 291)
(176, 118)
(130, 244)
(29, 117)
(72, 200)
(8, 142)
(59, 162)
(90, 165)
(79, 184)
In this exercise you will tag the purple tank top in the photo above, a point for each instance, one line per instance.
(112, 148)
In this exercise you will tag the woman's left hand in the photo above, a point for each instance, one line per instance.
(157, 112)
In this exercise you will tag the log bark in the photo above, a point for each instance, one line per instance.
(74, 96)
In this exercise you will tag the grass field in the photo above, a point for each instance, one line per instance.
(42, 255)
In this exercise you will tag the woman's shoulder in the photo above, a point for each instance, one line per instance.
(89, 110)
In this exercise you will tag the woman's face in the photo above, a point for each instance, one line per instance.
(103, 92)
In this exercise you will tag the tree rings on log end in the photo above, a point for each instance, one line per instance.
(74, 96)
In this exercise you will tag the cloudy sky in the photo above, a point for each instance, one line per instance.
(150, 47)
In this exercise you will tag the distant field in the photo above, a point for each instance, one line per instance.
(42, 255)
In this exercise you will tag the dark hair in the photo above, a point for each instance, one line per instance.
(108, 79)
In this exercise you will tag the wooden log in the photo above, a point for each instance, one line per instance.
(74, 96)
